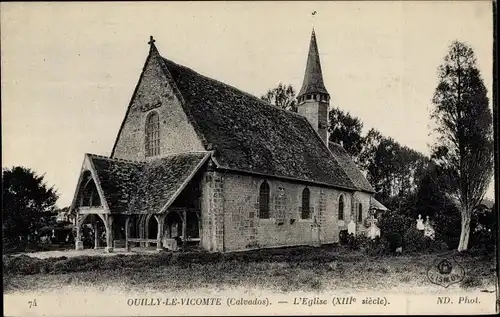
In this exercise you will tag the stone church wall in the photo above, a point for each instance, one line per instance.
(212, 212)
(154, 93)
(242, 228)
(364, 199)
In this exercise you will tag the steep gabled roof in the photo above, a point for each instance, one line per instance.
(151, 187)
(249, 135)
(350, 167)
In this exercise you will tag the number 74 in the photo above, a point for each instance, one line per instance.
(32, 303)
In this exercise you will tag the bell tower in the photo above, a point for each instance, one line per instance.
(313, 99)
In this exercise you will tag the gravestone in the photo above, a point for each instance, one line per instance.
(351, 227)
(428, 229)
(373, 231)
(420, 223)
(315, 234)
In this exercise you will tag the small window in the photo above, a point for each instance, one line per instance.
(341, 208)
(153, 134)
(306, 199)
(264, 201)
(360, 213)
(308, 97)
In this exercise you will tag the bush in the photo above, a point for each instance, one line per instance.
(22, 264)
(414, 241)
(393, 240)
(448, 226)
(376, 247)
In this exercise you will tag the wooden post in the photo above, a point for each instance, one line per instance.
(96, 232)
(127, 232)
(109, 233)
(146, 229)
(184, 230)
(198, 214)
(78, 240)
(140, 226)
(159, 236)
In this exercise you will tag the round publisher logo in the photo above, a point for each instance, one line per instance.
(445, 272)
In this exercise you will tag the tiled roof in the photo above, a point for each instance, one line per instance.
(350, 167)
(144, 186)
(375, 204)
(248, 134)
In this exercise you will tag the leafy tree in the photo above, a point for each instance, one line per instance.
(27, 205)
(432, 200)
(464, 146)
(282, 96)
(393, 170)
(346, 130)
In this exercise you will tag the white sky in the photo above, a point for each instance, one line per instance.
(69, 69)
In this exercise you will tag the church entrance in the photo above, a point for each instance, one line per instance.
(92, 231)
(182, 228)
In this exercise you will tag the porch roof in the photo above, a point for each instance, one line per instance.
(377, 205)
(133, 187)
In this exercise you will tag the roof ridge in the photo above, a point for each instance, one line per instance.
(236, 88)
(359, 187)
(115, 159)
(177, 153)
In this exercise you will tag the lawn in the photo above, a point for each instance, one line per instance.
(279, 270)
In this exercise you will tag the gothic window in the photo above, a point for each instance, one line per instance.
(153, 134)
(264, 201)
(360, 213)
(306, 198)
(341, 208)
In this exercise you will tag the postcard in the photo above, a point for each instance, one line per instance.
(248, 158)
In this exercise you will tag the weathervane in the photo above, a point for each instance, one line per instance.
(313, 14)
(151, 40)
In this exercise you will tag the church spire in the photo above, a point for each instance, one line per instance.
(313, 77)
(313, 99)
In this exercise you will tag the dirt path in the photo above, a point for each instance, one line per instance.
(86, 252)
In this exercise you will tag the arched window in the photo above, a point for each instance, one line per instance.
(306, 199)
(264, 201)
(153, 134)
(341, 208)
(360, 213)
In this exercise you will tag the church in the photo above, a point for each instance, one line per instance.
(200, 164)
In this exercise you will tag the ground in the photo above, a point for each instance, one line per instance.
(319, 270)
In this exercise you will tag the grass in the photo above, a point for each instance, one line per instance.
(280, 270)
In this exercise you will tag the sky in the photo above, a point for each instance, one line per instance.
(68, 70)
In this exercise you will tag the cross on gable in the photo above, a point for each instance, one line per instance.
(151, 40)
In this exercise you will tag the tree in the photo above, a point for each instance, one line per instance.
(346, 130)
(27, 205)
(393, 170)
(463, 117)
(282, 96)
(432, 200)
